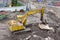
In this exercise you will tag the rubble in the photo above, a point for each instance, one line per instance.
(37, 33)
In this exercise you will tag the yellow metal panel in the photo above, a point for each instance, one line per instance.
(15, 28)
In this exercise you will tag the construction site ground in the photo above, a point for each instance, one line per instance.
(36, 33)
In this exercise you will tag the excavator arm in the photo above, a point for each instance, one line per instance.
(23, 18)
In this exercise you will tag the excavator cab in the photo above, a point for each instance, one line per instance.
(15, 25)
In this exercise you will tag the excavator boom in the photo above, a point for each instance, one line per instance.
(31, 12)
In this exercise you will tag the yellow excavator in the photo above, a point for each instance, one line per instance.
(20, 22)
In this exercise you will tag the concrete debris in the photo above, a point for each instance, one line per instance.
(42, 26)
(49, 38)
(36, 34)
(33, 37)
(53, 17)
(33, 19)
(28, 37)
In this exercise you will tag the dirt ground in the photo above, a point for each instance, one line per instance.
(35, 34)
